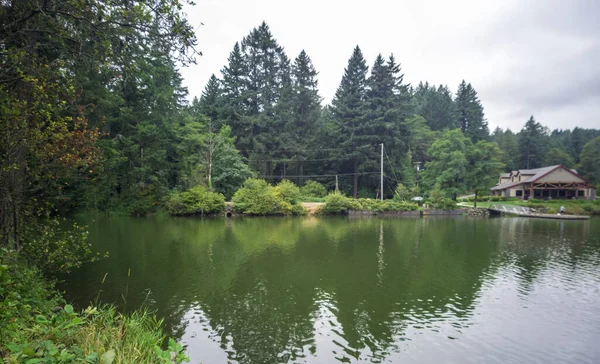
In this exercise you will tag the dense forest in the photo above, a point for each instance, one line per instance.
(94, 117)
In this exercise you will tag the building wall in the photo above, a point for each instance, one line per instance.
(560, 175)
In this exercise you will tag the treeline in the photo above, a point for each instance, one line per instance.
(94, 117)
(273, 107)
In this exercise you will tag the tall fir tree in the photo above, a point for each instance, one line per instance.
(233, 91)
(305, 111)
(210, 101)
(469, 111)
(348, 107)
(509, 146)
(532, 144)
(435, 105)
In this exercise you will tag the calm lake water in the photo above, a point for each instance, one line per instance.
(325, 290)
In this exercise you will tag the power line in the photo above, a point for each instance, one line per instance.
(298, 160)
(322, 175)
(302, 150)
(391, 165)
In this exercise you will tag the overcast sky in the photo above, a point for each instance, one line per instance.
(523, 57)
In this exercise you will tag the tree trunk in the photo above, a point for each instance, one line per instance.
(356, 179)
(475, 203)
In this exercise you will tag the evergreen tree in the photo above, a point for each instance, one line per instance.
(589, 165)
(210, 100)
(557, 156)
(532, 144)
(509, 146)
(305, 111)
(435, 105)
(348, 107)
(470, 113)
(233, 91)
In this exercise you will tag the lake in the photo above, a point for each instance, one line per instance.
(339, 289)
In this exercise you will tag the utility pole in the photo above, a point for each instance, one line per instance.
(381, 186)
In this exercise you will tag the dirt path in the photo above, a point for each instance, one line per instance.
(312, 207)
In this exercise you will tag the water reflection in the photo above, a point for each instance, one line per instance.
(349, 290)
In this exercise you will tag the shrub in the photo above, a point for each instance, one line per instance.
(287, 191)
(401, 193)
(37, 326)
(313, 189)
(336, 203)
(443, 204)
(399, 206)
(57, 249)
(257, 197)
(195, 201)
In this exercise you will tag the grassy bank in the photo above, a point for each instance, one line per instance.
(38, 326)
(572, 207)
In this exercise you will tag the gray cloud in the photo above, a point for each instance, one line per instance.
(536, 57)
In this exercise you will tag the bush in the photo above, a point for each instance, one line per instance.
(443, 204)
(257, 197)
(336, 203)
(195, 201)
(37, 326)
(55, 249)
(313, 189)
(401, 193)
(287, 191)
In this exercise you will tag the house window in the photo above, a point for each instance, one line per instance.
(519, 193)
(581, 193)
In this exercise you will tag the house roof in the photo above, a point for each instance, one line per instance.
(505, 175)
(534, 174)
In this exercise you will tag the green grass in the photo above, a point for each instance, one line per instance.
(38, 326)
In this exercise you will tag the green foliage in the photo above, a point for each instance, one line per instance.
(532, 144)
(287, 191)
(557, 156)
(401, 193)
(589, 165)
(485, 166)
(335, 203)
(449, 163)
(57, 249)
(195, 201)
(471, 118)
(436, 195)
(377, 206)
(443, 204)
(257, 197)
(37, 326)
(313, 189)
(436, 106)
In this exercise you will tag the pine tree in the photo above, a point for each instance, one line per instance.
(509, 146)
(267, 81)
(435, 105)
(470, 113)
(306, 110)
(348, 107)
(210, 100)
(233, 90)
(532, 144)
